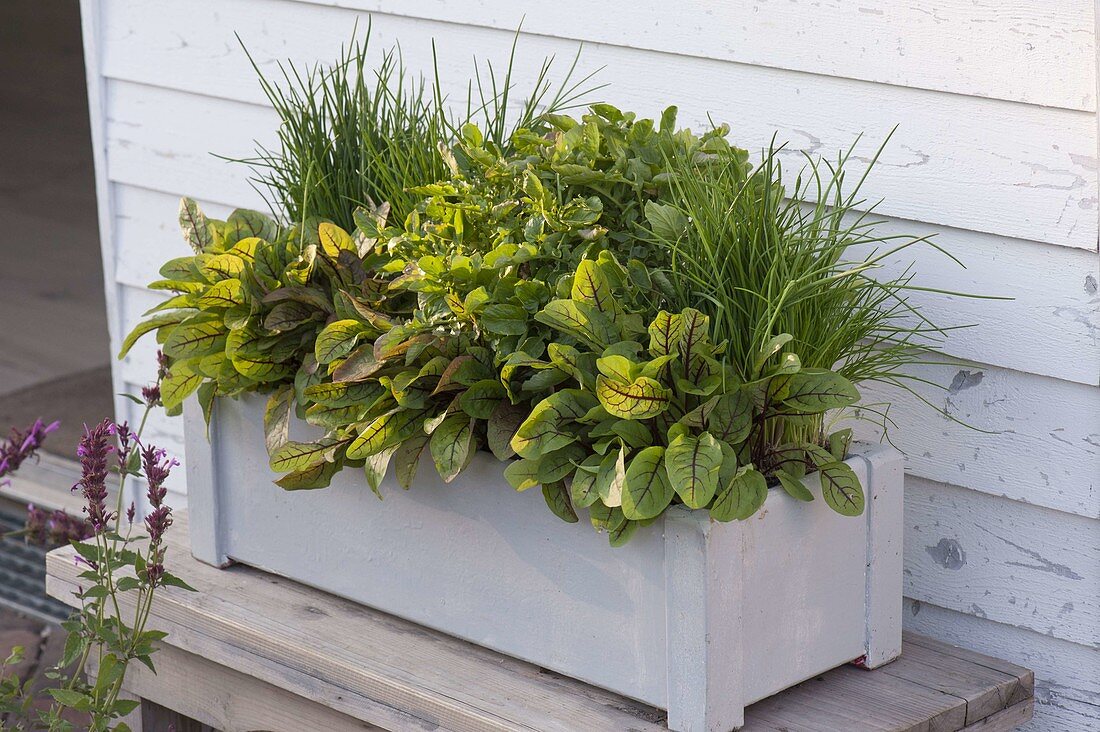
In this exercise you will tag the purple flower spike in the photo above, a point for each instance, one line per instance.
(93, 451)
(23, 445)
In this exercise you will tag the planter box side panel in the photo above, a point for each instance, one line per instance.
(471, 558)
(805, 580)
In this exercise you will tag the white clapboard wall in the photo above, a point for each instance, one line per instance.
(995, 151)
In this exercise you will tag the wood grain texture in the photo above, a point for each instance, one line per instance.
(1006, 719)
(1067, 675)
(246, 639)
(1001, 432)
(227, 700)
(1002, 560)
(1011, 50)
(981, 164)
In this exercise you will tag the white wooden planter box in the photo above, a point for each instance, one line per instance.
(693, 616)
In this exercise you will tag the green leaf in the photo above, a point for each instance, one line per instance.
(580, 320)
(667, 222)
(583, 488)
(178, 385)
(223, 266)
(451, 445)
(375, 468)
(547, 427)
(360, 364)
(741, 497)
(571, 361)
(277, 418)
(839, 442)
(841, 489)
(770, 349)
(482, 398)
(336, 340)
(318, 475)
(557, 498)
(522, 474)
(344, 393)
(292, 456)
(71, 698)
(287, 315)
(503, 423)
(795, 487)
(172, 580)
(223, 294)
(611, 478)
(244, 223)
(557, 465)
(194, 226)
(197, 336)
(334, 240)
(647, 491)
(644, 398)
(151, 324)
(407, 458)
(727, 416)
(812, 391)
(618, 368)
(391, 428)
(692, 464)
(590, 286)
(504, 319)
(621, 534)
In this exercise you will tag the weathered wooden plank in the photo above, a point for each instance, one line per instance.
(1024, 686)
(1052, 307)
(1001, 559)
(360, 662)
(986, 691)
(227, 700)
(1067, 675)
(247, 638)
(851, 699)
(1037, 439)
(970, 163)
(1006, 719)
(1011, 50)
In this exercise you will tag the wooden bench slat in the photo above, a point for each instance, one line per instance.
(247, 638)
(985, 690)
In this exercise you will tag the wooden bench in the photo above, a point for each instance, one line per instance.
(251, 651)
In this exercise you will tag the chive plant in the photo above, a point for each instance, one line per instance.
(763, 261)
(354, 135)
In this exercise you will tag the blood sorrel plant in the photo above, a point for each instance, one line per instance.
(120, 563)
(483, 253)
(650, 413)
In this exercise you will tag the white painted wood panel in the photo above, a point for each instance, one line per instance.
(1016, 50)
(1052, 308)
(981, 164)
(996, 150)
(1036, 439)
(1067, 675)
(1003, 560)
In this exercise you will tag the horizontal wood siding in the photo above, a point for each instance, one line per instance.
(995, 153)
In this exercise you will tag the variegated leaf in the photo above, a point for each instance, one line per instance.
(644, 398)
(646, 491)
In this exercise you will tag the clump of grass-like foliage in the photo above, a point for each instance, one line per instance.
(355, 135)
(765, 261)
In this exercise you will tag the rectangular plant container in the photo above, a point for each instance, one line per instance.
(693, 616)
